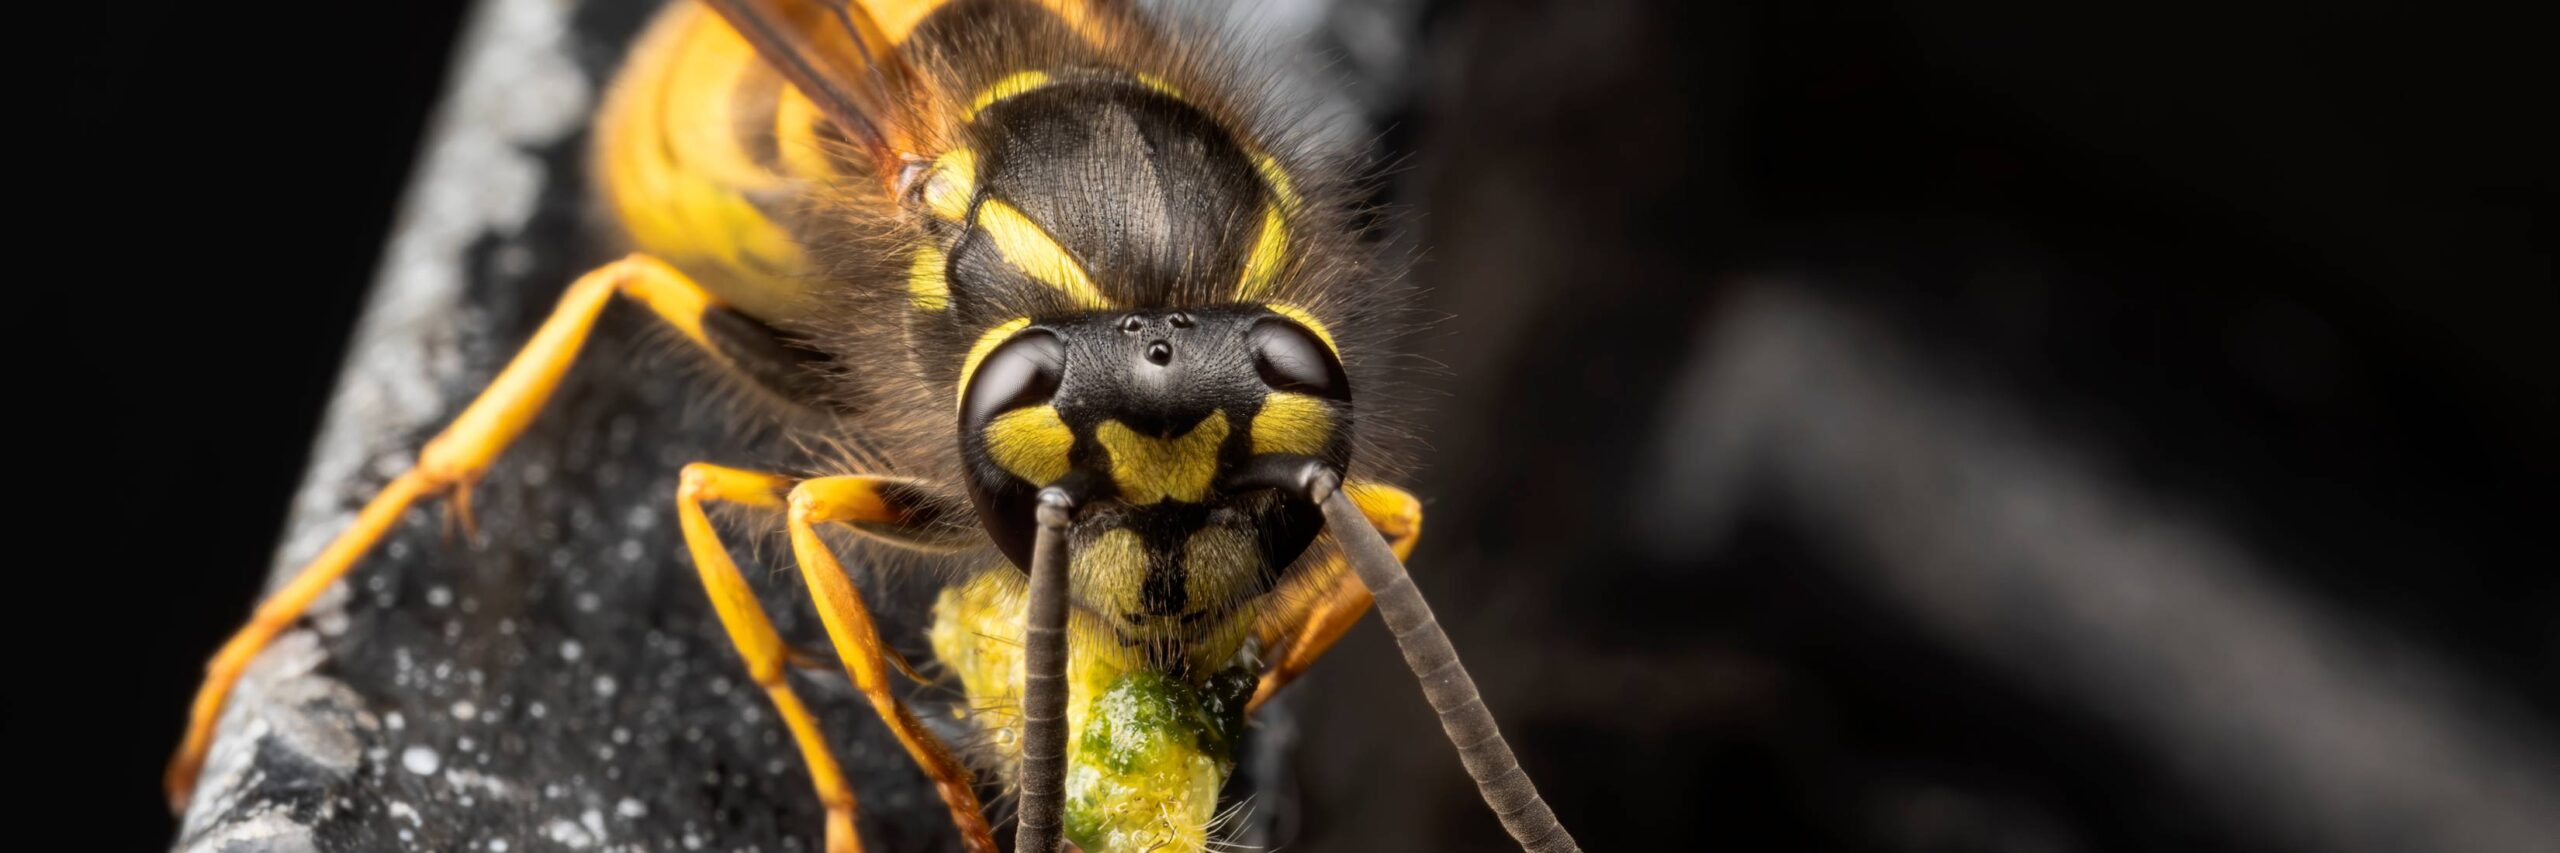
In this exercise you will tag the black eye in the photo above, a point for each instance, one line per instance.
(1290, 358)
(1022, 372)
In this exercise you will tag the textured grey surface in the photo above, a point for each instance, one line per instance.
(555, 682)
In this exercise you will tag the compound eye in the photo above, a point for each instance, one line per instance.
(1290, 358)
(1021, 372)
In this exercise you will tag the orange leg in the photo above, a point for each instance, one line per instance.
(751, 631)
(1305, 634)
(448, 465)
(865, 505)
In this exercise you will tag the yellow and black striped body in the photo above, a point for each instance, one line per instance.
(1043, 262)
(704, 155)
(1065, 172)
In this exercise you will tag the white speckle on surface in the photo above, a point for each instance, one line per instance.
(631, 808)
(465, 743)
(594, 822)
(439, 596)
(271, 828)
(630, 551)
(605, 685)
(621, 735)
(497, 845)
(466, 781)
(464, 710)
(393, 721)
(329, 611)
(400, 809)
(537, 710)
(568, 834)
(588, 602)
(420, 760)
(571, 651)
(641, 518)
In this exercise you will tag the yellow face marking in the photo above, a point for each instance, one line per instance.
(1017, 83)
(987, 344)
(1031, 250)
(1308, 320)
(1292, 423)
(953, 182)
(1031, 443)
(1217, 560)
(926, 287)
(1149, 469)
(1270, 250)
(1114, 568)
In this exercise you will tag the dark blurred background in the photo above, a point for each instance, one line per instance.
(1863, 425)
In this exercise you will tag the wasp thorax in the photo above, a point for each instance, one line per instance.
(1145, 414)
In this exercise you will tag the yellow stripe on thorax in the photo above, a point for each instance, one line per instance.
(1031, 250)
(1271, 244)
(1277, 179)
(928, 286)
(1262, 263)
(953, 183)
(1270, 250)
(1013, 85)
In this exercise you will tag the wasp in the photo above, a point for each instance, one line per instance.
(1078, 317)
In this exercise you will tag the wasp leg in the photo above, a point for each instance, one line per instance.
(864, 503)
(1338, 600)
(752, 632)
(447, 466)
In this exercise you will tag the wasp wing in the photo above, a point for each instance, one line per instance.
(839, 57)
